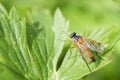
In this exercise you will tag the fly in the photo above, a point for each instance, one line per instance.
(86, 46)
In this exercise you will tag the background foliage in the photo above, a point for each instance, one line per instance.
(85, 16)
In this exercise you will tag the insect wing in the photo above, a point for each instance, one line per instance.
(84, 53)
(93, 45)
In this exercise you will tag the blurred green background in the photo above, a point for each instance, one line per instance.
(90, 14)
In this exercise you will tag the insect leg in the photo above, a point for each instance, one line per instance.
(87, 64)
(71, 50)
(99, 56)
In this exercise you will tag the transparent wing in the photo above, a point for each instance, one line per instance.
(86, 57)
(93, 45)
(84, 53)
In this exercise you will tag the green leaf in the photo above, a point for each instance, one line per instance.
(59, 27)
(8, 46)
(32, 49)
(75, 67)
(3, 9)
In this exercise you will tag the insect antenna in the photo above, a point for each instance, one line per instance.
(66, 38)
(66, 33)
